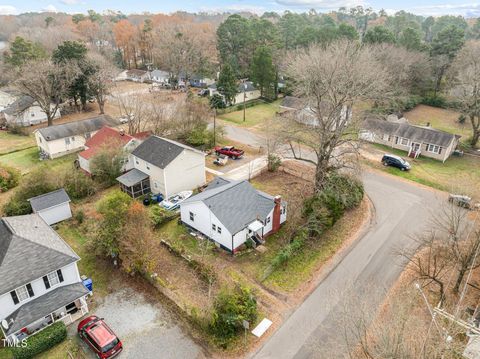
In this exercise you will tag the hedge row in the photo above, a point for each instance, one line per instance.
(42, 341)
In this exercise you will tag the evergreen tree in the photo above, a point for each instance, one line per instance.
(22, 51)
(227, 83)
(263, 71)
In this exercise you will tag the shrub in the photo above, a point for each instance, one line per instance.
(78, 185)
(42, 341)
(435, 101)
(114, 208)
(274, 162)
(9, 178)
(229, 311)
(79, 216)
(36, 183)
(106, 164)
(159, 216)
(461, 119)
(17, 130)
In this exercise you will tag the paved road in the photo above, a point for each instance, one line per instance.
(315, 329)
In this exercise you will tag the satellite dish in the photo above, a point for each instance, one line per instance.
(5, 324)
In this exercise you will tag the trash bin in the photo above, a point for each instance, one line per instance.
(88, 283)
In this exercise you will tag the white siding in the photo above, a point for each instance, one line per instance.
(60, 147)
(56, 214)
(31, 116)
(70, 276)
(186, 172)
(249, 95)
(203, 220)
(84, 164)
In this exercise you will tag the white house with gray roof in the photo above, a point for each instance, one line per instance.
(53, 207)
(40, 282)
(163, 166)
(60, 140)
(231, 212)
(24, 111)
(415, 140)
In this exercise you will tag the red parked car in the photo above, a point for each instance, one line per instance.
(99, 337)
(229, 151)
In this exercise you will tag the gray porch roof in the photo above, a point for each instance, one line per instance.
(44, 305)
(132, 177)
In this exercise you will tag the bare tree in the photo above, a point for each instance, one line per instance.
(100, 82)
(47, 83)
(431, 264)
(331, 80)
(466, 85)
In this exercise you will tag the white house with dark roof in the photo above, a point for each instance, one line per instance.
(53, 207)
(231, 212)
(40, 282)
(246, 91)
(163, 166)
(24, 111)
(415, 140)
(60, 140)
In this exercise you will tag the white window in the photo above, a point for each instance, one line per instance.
(136, 161)
(192, 216)
(53, 278)
(404, 141)
(33, 114)
(386, 137)
(214, 227)
(67, 140)
(219, 229)
(155, 184)
(40, 139)
(73, 139)
(22, 293)
(434, 148)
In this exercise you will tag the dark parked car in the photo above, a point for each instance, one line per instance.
(99, 337)
(395, 161)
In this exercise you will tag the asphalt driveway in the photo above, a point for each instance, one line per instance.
(147, 330)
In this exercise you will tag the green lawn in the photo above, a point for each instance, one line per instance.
(10, 142)
(456, 175)
(253, 115)
(28, 159)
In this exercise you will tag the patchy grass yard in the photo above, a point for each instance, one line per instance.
(10, 142)
(440, 119)
(28, 159)
(254, 115)
(456, 175)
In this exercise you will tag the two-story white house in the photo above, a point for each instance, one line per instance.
(232, 212)
(39, 278)
(60, 140)
(163, 166)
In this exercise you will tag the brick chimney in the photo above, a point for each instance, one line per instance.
(276, 214)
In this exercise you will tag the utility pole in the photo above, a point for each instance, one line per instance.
(214, 126)
(244, 99)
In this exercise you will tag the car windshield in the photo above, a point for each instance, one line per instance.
(402, 161)
(110, 345)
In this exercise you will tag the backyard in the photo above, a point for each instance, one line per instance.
(10, 142)
(440, 119)
(254, 115)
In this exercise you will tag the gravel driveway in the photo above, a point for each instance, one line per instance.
(146, 330)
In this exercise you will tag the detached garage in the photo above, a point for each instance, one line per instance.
(53, 207)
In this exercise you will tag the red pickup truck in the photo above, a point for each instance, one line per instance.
(229, 151)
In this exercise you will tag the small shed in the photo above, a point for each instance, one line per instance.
(53, 207)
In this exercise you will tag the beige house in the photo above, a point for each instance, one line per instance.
(245, 92)
(415, 140)
(24, 111)
(60, 140)
(163, 166)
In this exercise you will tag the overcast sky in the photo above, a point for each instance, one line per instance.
(470, 8)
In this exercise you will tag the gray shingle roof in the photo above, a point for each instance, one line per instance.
(235, 203)
(29, 249)
(160, 151)
(132, 177)
(49, 200)
(250, 86)
(51, 133)
(413, 133)
(44, 305)
(20, 105)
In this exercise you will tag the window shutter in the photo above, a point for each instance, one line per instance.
(60, 275)
(46, 282)
(14, 297)
(30, 290)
